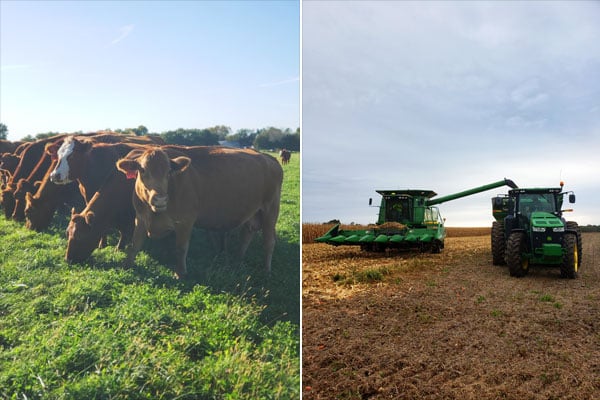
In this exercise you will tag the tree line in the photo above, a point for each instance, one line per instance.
(270, 138)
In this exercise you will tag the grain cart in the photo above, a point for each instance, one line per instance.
(407, 220)
(529, 229)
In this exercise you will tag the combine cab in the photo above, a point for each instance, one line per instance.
(529, 229)
(408, 219)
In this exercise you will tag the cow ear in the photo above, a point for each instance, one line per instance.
(52, 149)
(128, 167)
(90, 217)
(180, 164)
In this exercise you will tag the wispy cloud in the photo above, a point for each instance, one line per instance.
(125, 31)
(282, 82)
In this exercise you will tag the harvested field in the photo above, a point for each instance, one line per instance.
(447, 326)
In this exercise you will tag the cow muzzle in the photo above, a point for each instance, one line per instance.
(158, 203)
(58, 178)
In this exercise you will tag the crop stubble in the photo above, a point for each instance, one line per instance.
(449, 325)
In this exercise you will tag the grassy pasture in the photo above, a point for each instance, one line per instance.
(96, 331)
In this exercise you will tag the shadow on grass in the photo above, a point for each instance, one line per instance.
(278, 292)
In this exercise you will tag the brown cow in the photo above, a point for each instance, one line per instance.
(285, 156)
(23, 188)
(110, 208)
(213, 188)
(49, 197)
(8, 164)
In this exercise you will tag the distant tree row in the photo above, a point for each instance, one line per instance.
(589, 228)
(264, 139)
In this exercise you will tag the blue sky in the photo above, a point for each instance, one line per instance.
(90, 65)
(447, 96)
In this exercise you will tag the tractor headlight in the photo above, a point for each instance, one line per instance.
(561, 229)
(538, 229)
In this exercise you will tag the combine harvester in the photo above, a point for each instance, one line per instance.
(529, 228)
(407, 220)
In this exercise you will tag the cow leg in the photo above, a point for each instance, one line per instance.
(139, 236)
(126, 233)
(247, 231)
(124, 239)
(182, 242)
(269, 246)
(269, 220)
(102, 242)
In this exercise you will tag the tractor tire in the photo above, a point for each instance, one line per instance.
(570, 262)
(572, 225)
(516, 245)
(498, 244)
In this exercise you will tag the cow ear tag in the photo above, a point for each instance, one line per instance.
(131, 174)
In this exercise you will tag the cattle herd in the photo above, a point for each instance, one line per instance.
(140, 186)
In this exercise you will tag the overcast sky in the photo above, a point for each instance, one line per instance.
(90, 65)
(447, 96)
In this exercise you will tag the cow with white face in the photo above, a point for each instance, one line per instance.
(215, 188)
(60, 174)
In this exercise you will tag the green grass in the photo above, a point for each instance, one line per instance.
(96, 331)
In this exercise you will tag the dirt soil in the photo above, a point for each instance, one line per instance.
(447, 326)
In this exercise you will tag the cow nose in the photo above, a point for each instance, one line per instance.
(159, 202)
(55, 177)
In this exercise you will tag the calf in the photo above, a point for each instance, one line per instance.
(215, 188)
(110, 208)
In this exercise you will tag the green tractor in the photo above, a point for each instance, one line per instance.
(529, 229)
(407, 220)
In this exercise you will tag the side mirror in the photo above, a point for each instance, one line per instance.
(370, 201)
(572, 198)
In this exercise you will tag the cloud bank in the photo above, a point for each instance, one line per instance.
(447, 96)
